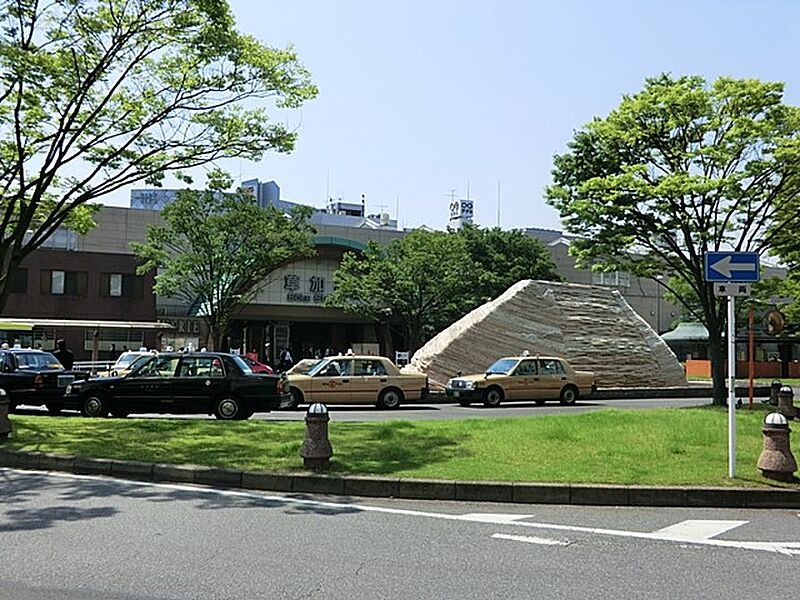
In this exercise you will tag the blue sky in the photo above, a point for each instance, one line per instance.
(418, 98)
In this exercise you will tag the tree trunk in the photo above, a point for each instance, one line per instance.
(716, 349)
(383, 333)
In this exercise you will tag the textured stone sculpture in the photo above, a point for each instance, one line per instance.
(593, 327)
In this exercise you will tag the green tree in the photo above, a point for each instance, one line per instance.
(99, 94)
(216, 250)
(506, 257)
(679, 169)
(421, 283)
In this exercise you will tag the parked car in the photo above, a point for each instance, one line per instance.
(126, 362)
(302, 367)
(34, 377)
(193, 382)
(538, 378)
(357, 380)
(257, 367)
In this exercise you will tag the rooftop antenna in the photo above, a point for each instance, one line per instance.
(498, 203)
(397, 208)
(328, 186)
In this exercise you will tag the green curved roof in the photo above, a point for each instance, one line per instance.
(327, 240)
(686, 332)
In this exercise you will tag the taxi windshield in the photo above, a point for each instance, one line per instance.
(502, 366)
(38, 361)
(126, 358)
(318, 367)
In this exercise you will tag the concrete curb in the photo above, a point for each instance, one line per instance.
(688, 391)
(422, 489)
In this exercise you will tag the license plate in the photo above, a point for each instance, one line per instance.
(456, 394)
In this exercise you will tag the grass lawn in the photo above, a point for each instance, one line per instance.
(652, 447)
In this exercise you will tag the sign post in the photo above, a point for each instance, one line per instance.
(731, 273)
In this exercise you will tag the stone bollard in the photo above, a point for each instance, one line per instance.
(786, 402)
(776, 460)
(5, 423)
(316, 449)
(774, 390)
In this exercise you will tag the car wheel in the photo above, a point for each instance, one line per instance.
(54, 408)
(228, 409)
(297, 399)
(118, 413)
(94, 405)
(390, 398)
(492, 397)
(245, 414)
(569, 394)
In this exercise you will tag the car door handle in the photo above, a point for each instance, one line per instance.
(384, 380)
(345, 381)
(536, 379)
(563, 379)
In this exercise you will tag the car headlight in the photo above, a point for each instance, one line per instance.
(469, 385)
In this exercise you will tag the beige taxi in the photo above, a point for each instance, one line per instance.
(126, 362)
(357, 380)
(537, 378)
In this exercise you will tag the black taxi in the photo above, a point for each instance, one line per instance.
(182, 382)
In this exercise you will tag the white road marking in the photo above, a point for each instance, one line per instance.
(530, 540)
(792, 548)
(699, 529)
(499, 518)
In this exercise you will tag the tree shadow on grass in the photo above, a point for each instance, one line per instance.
(392, 447)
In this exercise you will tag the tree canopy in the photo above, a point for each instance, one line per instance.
(425, 281)
(216, 250)
(99, 94)
(506, 257)
(679, 169)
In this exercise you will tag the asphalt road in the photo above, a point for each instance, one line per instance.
(69, 537)
(447, 411)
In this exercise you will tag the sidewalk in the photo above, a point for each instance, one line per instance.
(422, 489)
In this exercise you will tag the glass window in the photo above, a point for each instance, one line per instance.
(502, 366)
(526, 367)
(56, 282)
(115, 284)
(335, 367)
(19, 281)
(240, 363)
(163, 366)
(37, 361)
(550, 367)
(366, 368)
(202, 366)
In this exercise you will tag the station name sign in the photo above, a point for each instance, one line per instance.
(314, 290)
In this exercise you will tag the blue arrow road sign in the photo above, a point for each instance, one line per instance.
(734, 267)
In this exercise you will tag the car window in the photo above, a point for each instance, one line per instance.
(526, 367)
(126, 359)
(202, 366)
(368, 368)
(38, 361)
(163, 366)
(337, 367)
(550, 367)
(239, 363)
(502, 366)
